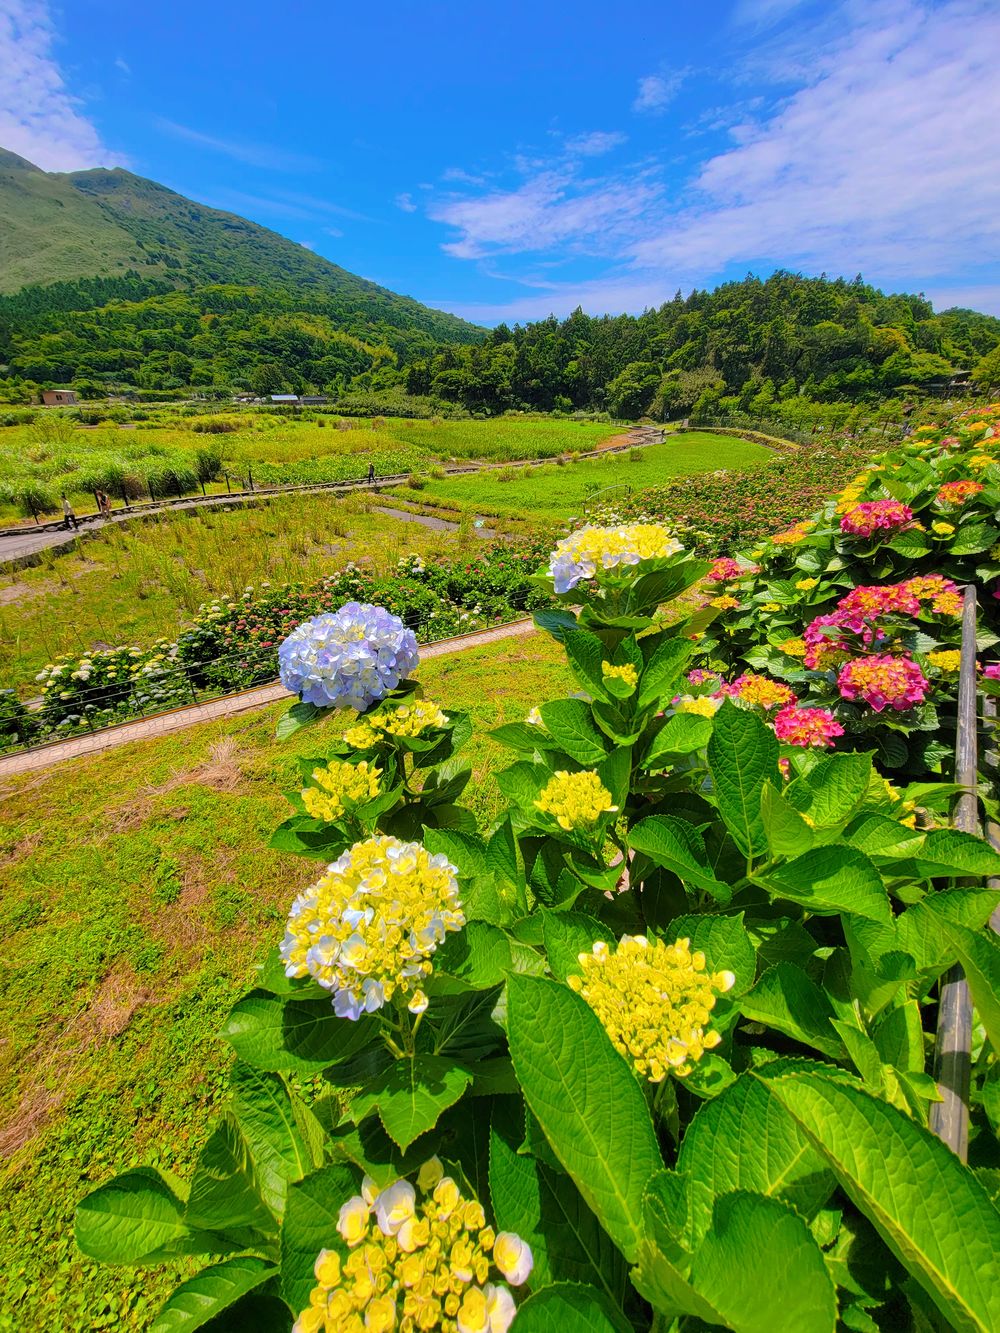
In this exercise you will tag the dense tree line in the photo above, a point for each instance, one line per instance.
(750, 343)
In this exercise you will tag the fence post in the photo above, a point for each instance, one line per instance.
(949, 1118)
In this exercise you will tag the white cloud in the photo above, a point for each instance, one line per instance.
(405, 202)
(123, 67)
(657, 91)
(265, 156)
(596, 143)
(308, 245)
(39, 118)
(879, 160)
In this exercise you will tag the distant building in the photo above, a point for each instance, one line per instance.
(59, 398)
(284, 397)
(312, 400)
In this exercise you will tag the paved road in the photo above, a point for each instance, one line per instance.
(19, 545)
(180, 718)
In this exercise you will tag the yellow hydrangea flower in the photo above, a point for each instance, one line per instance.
(626, 673)
(946, 659)
(771, 607)
(794, 647)
(340, 786)
(704, 706)
(405, 720)
(368, 928)
(576, 800)
(943, 529)
(654, 1001)
(725, 602)
(804, 585)
(420, 1259)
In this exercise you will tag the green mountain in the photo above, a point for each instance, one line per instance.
(63, 227)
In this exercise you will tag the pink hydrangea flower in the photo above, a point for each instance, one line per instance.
(957, 492)
(726, 570)
(883, 681)
(807, 726)
(699, 676)
(876, 516)
(992, 672)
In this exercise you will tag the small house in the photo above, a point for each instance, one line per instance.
(59, 398)
(284, 397)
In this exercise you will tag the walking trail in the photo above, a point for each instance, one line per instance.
(178, 719)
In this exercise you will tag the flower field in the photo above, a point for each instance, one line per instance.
(650, 1047)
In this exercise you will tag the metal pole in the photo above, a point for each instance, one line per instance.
(949, 1118)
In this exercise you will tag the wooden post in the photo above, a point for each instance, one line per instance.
(949, 1118)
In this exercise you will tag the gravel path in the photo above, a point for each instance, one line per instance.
(161, 724)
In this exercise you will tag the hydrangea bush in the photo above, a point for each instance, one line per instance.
(649, 1052)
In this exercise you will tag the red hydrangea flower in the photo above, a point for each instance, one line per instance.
(957, 492)
(876, 516)
(806, 726)
(883, 681)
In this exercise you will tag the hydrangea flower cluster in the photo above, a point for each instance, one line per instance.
(340, 786)
(806, 727)
(705, 705)
(625, 673)
(406, 720)
(883, 681)
(653, 1000)
(725, 602)
(575, 800)
(794, 535)
(759, 690)
(857, 613)
(957, 492)
(348, 659)
(368, 928)
(416, 1263)
(728, 570)
(873, 516)
(589, 550)
(946, 659)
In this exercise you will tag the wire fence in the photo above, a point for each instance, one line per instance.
(179, 683)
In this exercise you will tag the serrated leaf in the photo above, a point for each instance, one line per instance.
(677, 846)
(746, 1140)
(587, 1101)
(788, 834)
(832, 879)
(786, 999)
(951, 852)
(742, 757)
(979, 954)
(266, 1116)
(273, 1032)
(479, 956)
(210, 1292)
(832, 791)
(570, 1308)
(682, 734)
(569, 723)
(928, 1208)
(567, 935)
(411, 1095)
(225, 1192)
(466, 851)
(585, 653)
(921, 928)
(662, 671)
(899, 1037)
(725, 942)
(138, 1217)
(298, 716)
(310, 1225)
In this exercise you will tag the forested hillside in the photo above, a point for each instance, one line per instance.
(760, 341)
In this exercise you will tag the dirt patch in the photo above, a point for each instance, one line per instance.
(221, 771)
(18, 592)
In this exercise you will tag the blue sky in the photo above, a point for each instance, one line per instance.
(504, 161)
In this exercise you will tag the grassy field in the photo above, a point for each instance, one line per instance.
(142, 581)
(553, 492)
(57, 455)
(136, 895)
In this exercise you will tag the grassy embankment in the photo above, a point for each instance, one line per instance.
(61, 456)
(136, 895)
(552, 492)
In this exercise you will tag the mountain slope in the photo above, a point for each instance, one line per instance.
(62, 227)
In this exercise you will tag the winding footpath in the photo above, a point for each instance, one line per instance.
(178, 719)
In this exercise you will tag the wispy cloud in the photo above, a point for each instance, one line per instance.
(657, 91)
(265, 156)
(405, 202)
(123, 67)
(595, 144)
(39, 118)
(878, 160)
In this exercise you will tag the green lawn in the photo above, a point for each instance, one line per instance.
(553, 492)
(136, 895)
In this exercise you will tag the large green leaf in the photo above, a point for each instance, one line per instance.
(225, 1193)
(680, 735)
(923, 928)
(546, 1209)
(742, 757)
(979, 953)
(725, 942)
(138, 1217)
(788, 834)
(585, 653)
(310, 1225)
(272, 1032)
(587, 1101)
(930, 1210)
(570, 725)
(746, 1140)
(570, 1308)
(832, 879)
(567, 935)
(676, 845)
(263, 1107)
(787, 999)
(760, 1267)
(663, 670)
(478, 956)
(952, 852)
(411, 1095)
(834, 790)
(210, 1292)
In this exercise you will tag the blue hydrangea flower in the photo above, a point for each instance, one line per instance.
(349, 659)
